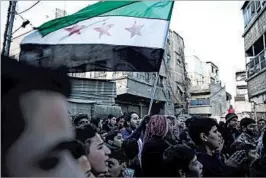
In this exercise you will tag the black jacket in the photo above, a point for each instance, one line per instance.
(213, 166)
(152, 157)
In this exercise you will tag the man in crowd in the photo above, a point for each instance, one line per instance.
(114, 140)
(110, 123)
(229, 132)
(132, 121)
(204, 133)
(97, 152)
(249, 133)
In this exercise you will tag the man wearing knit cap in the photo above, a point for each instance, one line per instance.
(230, 132)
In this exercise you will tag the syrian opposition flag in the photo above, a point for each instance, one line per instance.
(106, 36)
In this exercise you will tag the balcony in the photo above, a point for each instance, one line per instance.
(200, 102)
(200, 110)
(197, 89)
(256, 64)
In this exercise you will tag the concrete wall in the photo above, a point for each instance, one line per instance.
(218, 100)
(242, 106)
(257, 84)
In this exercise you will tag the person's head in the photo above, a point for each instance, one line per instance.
(182, 161)
(249, 126)
(79, 153)
(171, 121)
(96, 151)
(204, 131)
(132, 120)
(116, 163)
(35, 125)
(261, 124)
(130, 148)
(81, 119)
(114, 138)
(157, 127)
(97, 122)
(120, 122)
(111, 119)
(231, 120)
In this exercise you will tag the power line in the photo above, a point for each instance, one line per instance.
(28, 8)
(22, 34)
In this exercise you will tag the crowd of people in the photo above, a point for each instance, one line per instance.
(39, 140)
(162, 146)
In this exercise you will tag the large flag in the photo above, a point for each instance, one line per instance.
(106, 36)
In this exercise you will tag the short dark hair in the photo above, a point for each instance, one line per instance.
(246, 121)
(111, 135)
(177, 158)
(198, 126)
(131, 148)
(85, 133)
(78, 117)
(128, 117)
(77, 149)
(119, 155)
(110, 116)
(96, 121)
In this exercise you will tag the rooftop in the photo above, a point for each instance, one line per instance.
(209, 62)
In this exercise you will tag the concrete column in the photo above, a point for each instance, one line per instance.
(253, 50)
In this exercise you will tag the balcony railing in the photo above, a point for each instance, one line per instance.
(256, 64)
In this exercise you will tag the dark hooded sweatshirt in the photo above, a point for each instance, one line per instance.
(152, 157)
(213, 166)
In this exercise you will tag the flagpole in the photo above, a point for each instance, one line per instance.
(153, 93)
(157, 73)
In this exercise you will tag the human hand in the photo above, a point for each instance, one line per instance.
(237, 159)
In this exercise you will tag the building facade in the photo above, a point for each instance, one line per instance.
(242, 104)
(207, 96)
(135, 89)
(254, 13)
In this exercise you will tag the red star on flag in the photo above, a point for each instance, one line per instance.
(135, 29)
(103, 30)
(75, 29)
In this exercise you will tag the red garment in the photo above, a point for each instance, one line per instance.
(231, 110)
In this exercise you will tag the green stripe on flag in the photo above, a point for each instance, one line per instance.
(140, 9)
(145, 9)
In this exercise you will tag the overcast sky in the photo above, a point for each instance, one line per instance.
(211, 29)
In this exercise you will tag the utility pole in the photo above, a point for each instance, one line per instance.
(9, 27)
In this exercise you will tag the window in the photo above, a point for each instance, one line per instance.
(256, 64)
(168, 58)
(253, 8)
(258, 5)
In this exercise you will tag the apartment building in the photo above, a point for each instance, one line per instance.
(135, 89)
(254, 13)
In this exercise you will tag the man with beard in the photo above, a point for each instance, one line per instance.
(229, 132)
(110, 124)
(131, 123)
(249, 133)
